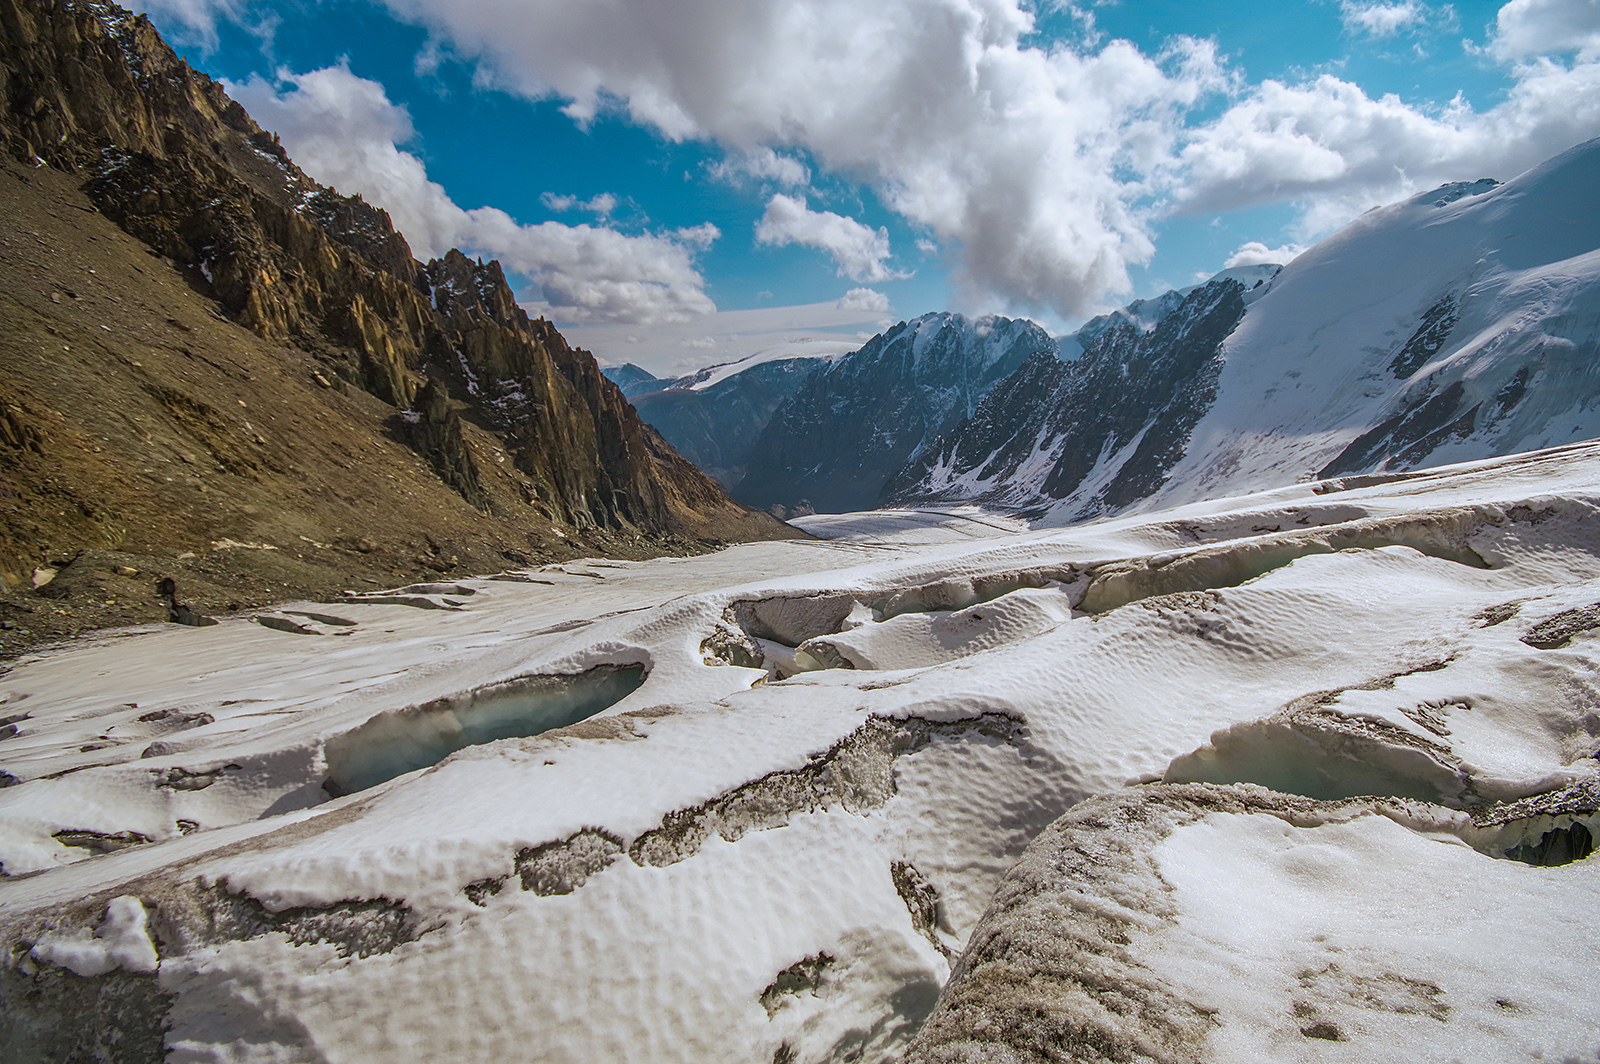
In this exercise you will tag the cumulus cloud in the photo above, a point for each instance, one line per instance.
(1381, 19)
(864, 299)
(858, 250)
(1043, 169)
(197, 18)
(1028, 163)
(1338, 151)
(1528, 28)
(762, 164)
(1255, 253)
(344, 131)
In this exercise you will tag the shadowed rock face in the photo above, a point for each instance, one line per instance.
(263, 297)
(1134, 393)
(840, 438)
(717, 427)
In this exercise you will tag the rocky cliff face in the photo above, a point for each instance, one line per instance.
(634, 380)
(311, 298)
(1103, 430)
(837, 441)
(716, 427)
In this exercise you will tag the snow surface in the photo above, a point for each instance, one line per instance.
(762, 853)
(711, 375)
(1330, 350)
(1307, 371)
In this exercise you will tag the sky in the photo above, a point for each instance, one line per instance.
(678, 183)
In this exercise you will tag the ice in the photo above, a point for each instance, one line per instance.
(759, 804)
(416, 737)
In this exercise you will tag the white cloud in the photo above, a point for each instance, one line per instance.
(1330, 147)
(601, 205)
(344, 131)
(198, 18)
(762, 164)
(1028, 163)
(858, 250)
(866, 299)
(1043, 170)
(1255, 253)
(698, 236)
(1527, 28)
(1380, 19)
(674, 349)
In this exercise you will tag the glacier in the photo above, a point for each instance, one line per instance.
(1304, 774)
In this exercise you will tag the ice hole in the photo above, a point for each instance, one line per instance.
(404, 740)
(1545, 840)
(1558, 846)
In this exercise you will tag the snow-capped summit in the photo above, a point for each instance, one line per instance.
(1459, 324)
(837, 440)
(1148, 313)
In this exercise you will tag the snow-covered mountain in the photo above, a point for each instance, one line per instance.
(714, 417)
(1462, 323)
(633, 380)
(844, 433)
(1304, 775)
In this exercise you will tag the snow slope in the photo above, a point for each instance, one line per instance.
(714, 375)
(1460, 324)
(803, 770)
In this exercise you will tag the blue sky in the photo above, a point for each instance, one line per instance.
(681, 182)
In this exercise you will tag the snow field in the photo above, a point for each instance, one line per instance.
(775, 846)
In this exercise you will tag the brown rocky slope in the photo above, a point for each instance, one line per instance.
(214, 369)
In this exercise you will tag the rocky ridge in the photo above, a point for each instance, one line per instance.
(840, 438)
(232, 282)
(716, 427)
(1104, 429)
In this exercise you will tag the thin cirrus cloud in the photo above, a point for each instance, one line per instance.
(857, 250)
(344, 131)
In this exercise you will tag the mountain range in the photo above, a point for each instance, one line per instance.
(1462, 323)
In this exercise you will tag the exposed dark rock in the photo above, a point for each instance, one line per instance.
(716, 427)
(234, 372)
(1410, 435)
(1132, 388)
(841, 437)
(562, 867)
(806, 974)
(433, 428)
(178, 612)
(53, 1016)
(857, 773)
(1430, 336)
(1555, 632)
(101, 841)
